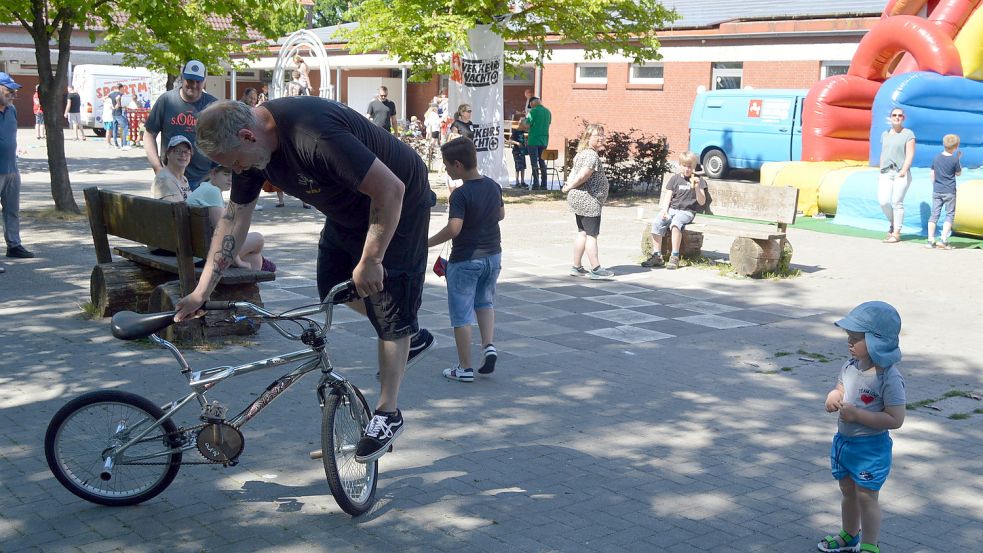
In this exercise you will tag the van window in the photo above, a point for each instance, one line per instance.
(727, 75)
(831, 68)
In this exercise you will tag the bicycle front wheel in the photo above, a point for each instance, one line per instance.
(352, 484)
(86, 429)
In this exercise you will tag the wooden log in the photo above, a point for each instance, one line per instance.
(691, 246)
(123, 285)
(214, 324)
(754, 257)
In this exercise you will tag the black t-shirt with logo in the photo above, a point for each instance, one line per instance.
(325, 149)
(683, 193)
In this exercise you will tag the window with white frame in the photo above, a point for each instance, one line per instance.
(831, 68)
(592, 73)
(649, 73)
(727, 75)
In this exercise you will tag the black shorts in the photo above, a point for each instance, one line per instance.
(434, 134)
(393, 311)
(589, 225)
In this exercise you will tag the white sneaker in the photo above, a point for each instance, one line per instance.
(126, 148)
(258, 208)
(459, 374)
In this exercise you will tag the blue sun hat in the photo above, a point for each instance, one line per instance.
(881, 326)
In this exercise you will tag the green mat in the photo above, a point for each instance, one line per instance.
(827, 226)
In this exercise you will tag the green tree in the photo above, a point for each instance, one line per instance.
(625, 27)
(156, 33)
(332, 12)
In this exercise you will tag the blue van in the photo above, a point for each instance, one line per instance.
(731, 129)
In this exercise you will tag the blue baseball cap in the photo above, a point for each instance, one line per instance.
(881, 325)
(8, 82)
(194, 70)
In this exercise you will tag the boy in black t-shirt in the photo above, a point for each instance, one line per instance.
(945, 169)
(682, 197)
(476, 207)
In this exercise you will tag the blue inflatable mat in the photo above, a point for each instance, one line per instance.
(857, 204)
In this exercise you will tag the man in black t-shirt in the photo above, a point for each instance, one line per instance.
(73, 112)
(377, 198)
(382, 111)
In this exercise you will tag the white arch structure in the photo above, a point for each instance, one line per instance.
(295, 44)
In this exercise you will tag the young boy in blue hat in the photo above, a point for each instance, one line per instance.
(870, 398)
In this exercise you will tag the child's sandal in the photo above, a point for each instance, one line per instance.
(831, 544)
(869, 548)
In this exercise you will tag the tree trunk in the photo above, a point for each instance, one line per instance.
(52, 92)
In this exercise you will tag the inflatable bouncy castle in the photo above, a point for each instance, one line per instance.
(932, 67)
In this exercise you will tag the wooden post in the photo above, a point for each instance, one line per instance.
(185, 251)
(93, 205)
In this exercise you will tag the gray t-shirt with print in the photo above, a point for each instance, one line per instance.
(172, 116)
(870, 390)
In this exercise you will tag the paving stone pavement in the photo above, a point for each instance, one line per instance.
(661, 411)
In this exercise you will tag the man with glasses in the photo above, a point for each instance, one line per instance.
(9, 177)
(382, 111)
(176, 113)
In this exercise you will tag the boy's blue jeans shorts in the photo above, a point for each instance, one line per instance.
(470, 286)
(865, 459)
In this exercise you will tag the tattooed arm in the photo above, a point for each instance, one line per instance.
(386, 193)
(229, 234)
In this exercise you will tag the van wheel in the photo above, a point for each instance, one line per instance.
(101, 133)
(715, 164)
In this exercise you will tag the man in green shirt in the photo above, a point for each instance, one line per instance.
(538, 122)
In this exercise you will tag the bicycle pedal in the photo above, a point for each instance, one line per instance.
(390, 448)
(316, 454)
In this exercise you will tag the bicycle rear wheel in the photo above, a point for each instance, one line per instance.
(352, 484)
(83, 431)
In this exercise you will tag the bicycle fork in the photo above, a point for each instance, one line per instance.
(344, 388)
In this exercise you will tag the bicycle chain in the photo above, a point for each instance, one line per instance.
(180, 433)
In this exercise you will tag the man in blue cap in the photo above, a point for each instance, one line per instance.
(176, 113)
(9, 177)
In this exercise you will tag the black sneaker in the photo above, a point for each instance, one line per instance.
(420, 343)
(654, 261)
(379, 434)
(19, 252)
(489, 356)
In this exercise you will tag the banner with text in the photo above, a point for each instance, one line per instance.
(476, 79)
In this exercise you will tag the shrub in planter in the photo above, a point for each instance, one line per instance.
(633, 160)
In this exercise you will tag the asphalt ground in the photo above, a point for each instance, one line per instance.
(661, 411)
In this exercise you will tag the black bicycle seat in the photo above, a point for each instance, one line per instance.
(128, 325)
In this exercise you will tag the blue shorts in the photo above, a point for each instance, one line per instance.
(674, 218)
(865, 459)
(470, 286)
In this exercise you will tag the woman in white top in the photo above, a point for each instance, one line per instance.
(170, 184)
(305, 77)
(431, 120)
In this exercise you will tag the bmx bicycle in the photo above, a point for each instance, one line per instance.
(117, 448)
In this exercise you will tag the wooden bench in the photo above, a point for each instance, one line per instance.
(145, 282)
(759, 242)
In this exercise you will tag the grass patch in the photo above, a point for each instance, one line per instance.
(89, 310)
(817, 356)
(782, 353)
(947, 395)
(978, 411)
(959, 416)
(767, 371)
(787, 369)
(50, 214)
